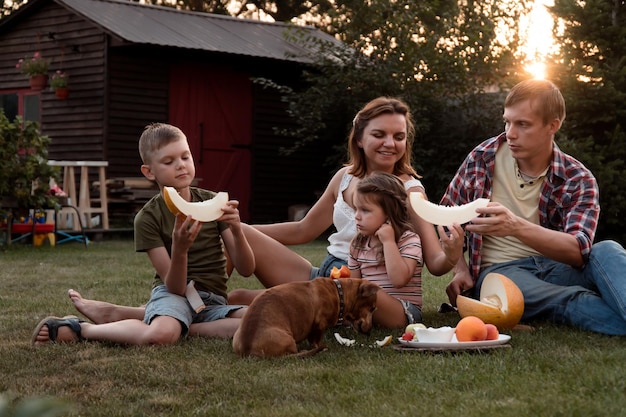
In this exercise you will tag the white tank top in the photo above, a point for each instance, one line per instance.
(343, 219)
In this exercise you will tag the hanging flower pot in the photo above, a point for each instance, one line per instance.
(58, 83)
(36, 69)
(38, 82)
(62, 93)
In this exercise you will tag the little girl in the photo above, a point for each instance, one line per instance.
(387, 251)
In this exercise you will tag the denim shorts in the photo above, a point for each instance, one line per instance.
(412, 312)
(326, 266)
(164, 303)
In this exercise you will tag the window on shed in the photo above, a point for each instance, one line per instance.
(21, 103)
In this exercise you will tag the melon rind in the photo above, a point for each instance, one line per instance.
(512, 302)
(443, 215)
(203, 211)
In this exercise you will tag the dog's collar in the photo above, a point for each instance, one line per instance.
(341, 302)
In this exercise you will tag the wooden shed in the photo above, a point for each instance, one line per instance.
(131, 64)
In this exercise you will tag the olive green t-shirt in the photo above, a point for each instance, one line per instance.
(206, 262)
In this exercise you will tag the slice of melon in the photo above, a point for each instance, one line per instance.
(343, 341)
(501, 302)
(443, 215)
(203, 211)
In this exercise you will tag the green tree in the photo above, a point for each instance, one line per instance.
(441, 56)
(592, 75)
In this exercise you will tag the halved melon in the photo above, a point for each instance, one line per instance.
(501, 302)
(443, 215)
(203, 211)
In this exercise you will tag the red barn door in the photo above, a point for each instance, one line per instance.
(213, 107)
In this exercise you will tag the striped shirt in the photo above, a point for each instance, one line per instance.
(372, 265)
(568, 202)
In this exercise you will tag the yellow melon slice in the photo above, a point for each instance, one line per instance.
(443, 215)
(203, 211)
(501, 302)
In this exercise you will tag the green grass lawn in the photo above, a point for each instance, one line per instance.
(552, 371)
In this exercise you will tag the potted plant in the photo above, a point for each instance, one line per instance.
(58, 83)
(36, 68)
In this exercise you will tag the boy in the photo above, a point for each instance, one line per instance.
(180, 249)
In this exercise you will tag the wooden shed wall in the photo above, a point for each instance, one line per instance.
(138, 95)
(75, 126)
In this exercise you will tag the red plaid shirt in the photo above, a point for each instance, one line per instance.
(569, 200)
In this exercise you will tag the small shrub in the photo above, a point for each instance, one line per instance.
(24, 170)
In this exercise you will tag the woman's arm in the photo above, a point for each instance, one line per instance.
(317, 220)
(237, 246)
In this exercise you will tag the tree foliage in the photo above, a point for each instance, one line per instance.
(592, 76)
(441, 56)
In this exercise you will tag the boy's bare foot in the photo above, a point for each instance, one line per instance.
(100, 312)
(96, 311)
(57, 329)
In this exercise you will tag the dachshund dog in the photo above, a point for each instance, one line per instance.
(287, 314)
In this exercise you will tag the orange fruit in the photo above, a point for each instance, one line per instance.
(343, 272)
(501, 302)
(471, 329)
(492, 332)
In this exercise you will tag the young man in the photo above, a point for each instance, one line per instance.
(539, 228)
(180, 249)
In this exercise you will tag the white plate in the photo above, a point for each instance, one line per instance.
(501, 340)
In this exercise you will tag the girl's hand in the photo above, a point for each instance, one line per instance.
(385, 233)
(452, 242)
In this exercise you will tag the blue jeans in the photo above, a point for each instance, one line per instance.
(592, 298)
(327, 266)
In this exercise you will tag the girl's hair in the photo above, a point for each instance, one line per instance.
(373, 109)
(155, 136)
(546, 99)
(386, 191)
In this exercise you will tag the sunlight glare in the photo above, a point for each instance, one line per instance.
(536, 29)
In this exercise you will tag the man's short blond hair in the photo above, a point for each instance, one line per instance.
(546, 99)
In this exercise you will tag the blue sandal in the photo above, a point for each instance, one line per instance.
(53, 323)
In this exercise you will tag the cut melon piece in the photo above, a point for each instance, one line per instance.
(203, 211)
(386, 341)
(343, 341)
(443, 215)
(501, 302)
